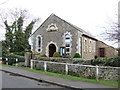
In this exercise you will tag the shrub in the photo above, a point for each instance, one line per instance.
(99, 61)
(54, 60)
(3, 60)
(114, 61)
(77, 55)
(12, 59)
(5, 52)
(81, 61)
(43, 55)
(76, 61)
(19, 53)
(66, 55)
(34, 52)
(56, 54)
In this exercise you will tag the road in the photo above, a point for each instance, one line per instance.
(12, 81)
(21, 81)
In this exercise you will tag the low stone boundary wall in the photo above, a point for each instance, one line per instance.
(109, 73)
(54, 59)
(88, 71)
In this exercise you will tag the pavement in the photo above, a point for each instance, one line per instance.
(71, 84)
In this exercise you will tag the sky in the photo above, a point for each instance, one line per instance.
(90, 15)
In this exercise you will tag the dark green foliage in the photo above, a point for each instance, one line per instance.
(81, 61)
(66, 56)
(17, 37)
(78, 61)
(99, 61)
(28, 32)
(43, 55)
(77, 55)
(28, 29)
(3, 60)
(5, 50)
(114, 61)
(19, 53)
(56, 54)
(12, 59)
(54, 60)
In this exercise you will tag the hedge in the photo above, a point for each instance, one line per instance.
(12, 59)
(114, 61)
(56, 54)
(77, 55)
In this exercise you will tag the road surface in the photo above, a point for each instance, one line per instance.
(12, 81)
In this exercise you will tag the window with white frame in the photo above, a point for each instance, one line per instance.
(85, 45)
(90, 46)
(38, 43)
(67, 42)
(79, 45)
(94, 46)
(52, 27)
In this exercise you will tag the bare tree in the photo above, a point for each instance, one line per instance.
(3, 2)
(14, 14)
(17, 25)
(113, 32)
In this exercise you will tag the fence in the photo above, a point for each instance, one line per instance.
(13, 61)
(89, 71)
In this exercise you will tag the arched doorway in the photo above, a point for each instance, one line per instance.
(52, 49)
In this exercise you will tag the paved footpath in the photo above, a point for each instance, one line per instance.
(56, 80)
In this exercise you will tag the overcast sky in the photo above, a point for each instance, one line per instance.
(90, 15)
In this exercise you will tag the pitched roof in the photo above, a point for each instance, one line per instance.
(77, 28)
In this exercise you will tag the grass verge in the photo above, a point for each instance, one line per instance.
(8, 65)
(103, 82)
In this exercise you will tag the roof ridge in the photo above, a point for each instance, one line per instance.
(76, 27)
(42, 23)
(79, 29)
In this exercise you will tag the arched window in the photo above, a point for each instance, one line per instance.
(67, 43)
(38, 43)
(67, 38)
(52, 27)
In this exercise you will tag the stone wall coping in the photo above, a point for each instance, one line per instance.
(78, 64)
(109, 67)
(64, 63)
